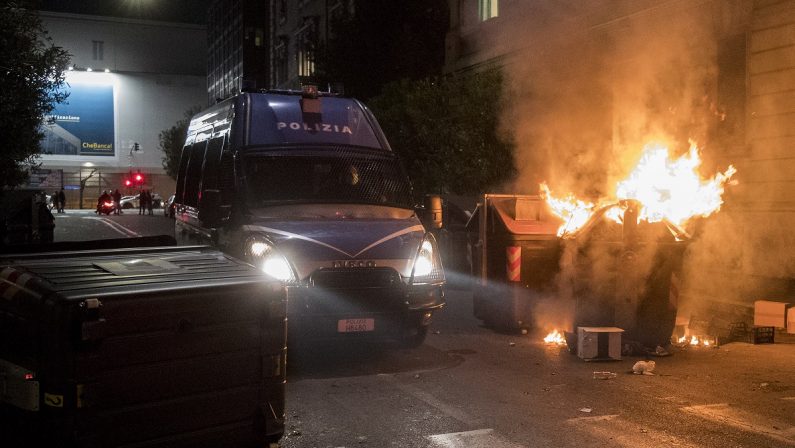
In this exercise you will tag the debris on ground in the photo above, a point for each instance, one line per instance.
(512, 344)
(644, 368)
(604, 375)
(586, 410)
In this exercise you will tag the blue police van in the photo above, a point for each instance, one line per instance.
(304, 185)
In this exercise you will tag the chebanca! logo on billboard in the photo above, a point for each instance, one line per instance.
(82, 125)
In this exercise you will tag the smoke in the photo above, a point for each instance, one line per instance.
(589, 84)
(595, 83)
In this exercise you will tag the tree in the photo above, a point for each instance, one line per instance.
(32, 79)
(84, 181)
(173, 139)
(446, 131)
(384, 41)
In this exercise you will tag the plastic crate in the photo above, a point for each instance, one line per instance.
(763, 335)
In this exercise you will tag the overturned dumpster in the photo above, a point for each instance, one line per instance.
(156, 347)
(612, 271)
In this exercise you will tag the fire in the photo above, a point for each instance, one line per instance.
(575, 213)
(667, 189)
(555, 337)
(694, 340)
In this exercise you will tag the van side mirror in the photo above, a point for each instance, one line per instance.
(210, 208)
(433, 210)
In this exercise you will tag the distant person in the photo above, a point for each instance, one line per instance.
(117, 202)
(141, 202)
(61, 201)
(150, 202)
(104, 197)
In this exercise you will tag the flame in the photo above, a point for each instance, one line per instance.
(667, 189)
(555, 337)
(694, 340)
(574, 212)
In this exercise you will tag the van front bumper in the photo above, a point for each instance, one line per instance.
(315, 312)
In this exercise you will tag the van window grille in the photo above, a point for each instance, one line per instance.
(327, 175)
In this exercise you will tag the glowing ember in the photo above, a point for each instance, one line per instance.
(668, 189)
(555, 337)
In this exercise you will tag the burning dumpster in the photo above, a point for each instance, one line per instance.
(156, 347)
(515, 256)
(567, 262)
(612, 271)
(625, 273)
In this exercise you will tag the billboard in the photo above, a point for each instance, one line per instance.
(84, 124)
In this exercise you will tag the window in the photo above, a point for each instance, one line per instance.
(282, 11)
(336, 13)
(488, 9)
(280, 60)
(183, 169)
(194, 173)
(259, 37)
(98, 50)
(337, 176)
(306, 38)
(212, 159)
(731, 89)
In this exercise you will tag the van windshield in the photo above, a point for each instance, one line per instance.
(327, 177)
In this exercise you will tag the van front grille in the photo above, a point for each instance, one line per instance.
(355, 278)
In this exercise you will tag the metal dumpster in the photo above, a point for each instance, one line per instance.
(152, 347)
(605, 274)
(515, 256)
(24, 218)
(625, 274)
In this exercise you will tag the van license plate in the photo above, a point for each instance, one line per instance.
(355, 325)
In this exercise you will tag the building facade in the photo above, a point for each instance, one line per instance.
(590, 82)
(239, 47)
(298, 30)
(129, 80)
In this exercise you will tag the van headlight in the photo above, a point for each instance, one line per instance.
(427, 264)
(262, 254)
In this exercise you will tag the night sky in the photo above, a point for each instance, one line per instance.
(185, 11)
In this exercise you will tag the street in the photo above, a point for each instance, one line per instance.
(470, 386)
(81, 225)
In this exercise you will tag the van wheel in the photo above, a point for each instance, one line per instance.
(414, 336)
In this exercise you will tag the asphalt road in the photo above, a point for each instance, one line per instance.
(469, 386)
(81, 225)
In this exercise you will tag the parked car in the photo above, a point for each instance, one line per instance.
(168, 207)
(132, 201)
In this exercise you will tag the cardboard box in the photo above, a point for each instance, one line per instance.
(770, 314)
(791, 320)
(599, 343)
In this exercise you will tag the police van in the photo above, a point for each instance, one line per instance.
(304, 185)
